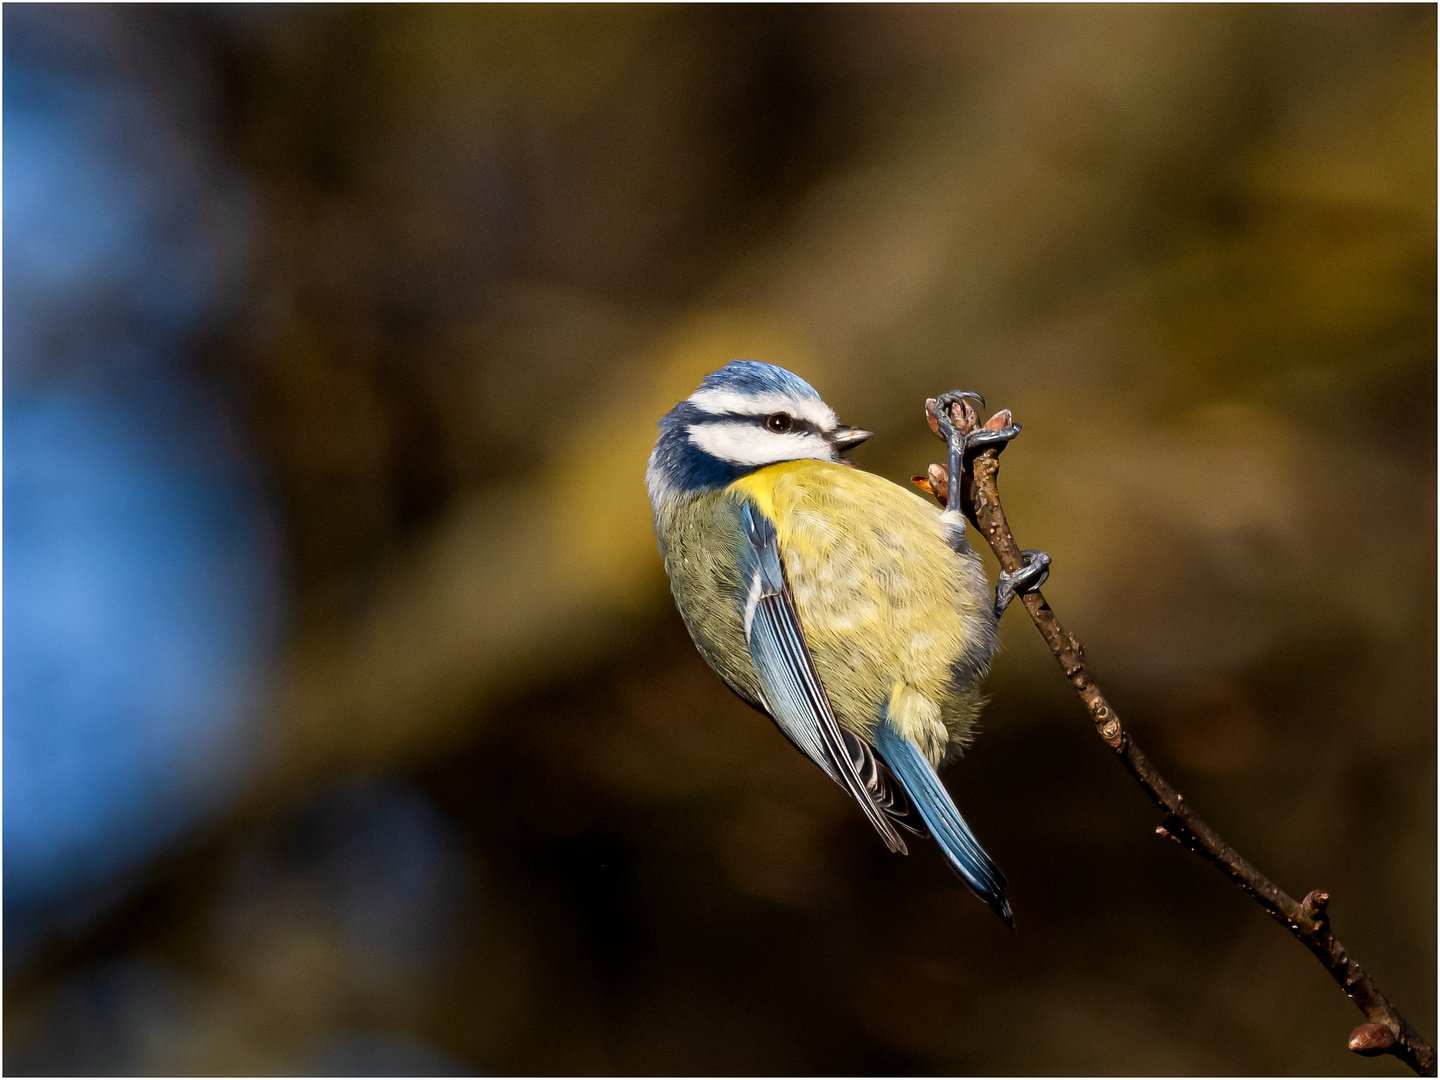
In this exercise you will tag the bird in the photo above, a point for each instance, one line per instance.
(849, 610)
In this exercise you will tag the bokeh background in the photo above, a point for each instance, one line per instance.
(348, 725)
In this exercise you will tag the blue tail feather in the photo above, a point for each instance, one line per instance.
(962, 851)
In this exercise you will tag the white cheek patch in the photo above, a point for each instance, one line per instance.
(731, 401)
(742, 443)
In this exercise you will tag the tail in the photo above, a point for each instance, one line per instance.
(962, 851)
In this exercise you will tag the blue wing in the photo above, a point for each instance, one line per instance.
(794, 695)
(962, 851)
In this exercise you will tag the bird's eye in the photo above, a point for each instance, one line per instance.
(779, 422)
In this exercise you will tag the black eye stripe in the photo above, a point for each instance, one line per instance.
(798, 425)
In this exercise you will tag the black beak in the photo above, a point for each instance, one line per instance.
(846, 437)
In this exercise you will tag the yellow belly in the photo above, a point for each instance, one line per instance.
(896, 619)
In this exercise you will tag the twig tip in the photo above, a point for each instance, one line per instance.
(1169, 832)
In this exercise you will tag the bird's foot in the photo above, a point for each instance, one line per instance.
(1027, 579)
(999, 429)
(958, 424)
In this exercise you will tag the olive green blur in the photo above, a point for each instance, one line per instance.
(1193, 248)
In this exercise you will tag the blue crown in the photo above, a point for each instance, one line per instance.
(757, 377)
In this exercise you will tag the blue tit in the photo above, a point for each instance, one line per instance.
(851, 611)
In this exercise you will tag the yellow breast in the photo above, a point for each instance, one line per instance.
(894, 616)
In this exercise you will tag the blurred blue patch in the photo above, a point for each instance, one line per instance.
(123, 232)
(140, 593)
(136, 595)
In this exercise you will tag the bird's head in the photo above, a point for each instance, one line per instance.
(745, 416)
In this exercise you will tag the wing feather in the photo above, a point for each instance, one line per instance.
(889, 794)
(794, 694)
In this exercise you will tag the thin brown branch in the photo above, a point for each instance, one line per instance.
(1386, 1032)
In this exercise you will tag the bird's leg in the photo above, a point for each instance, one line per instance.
(957, 424)
(1027, 579)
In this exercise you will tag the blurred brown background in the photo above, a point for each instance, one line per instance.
(497, 815)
